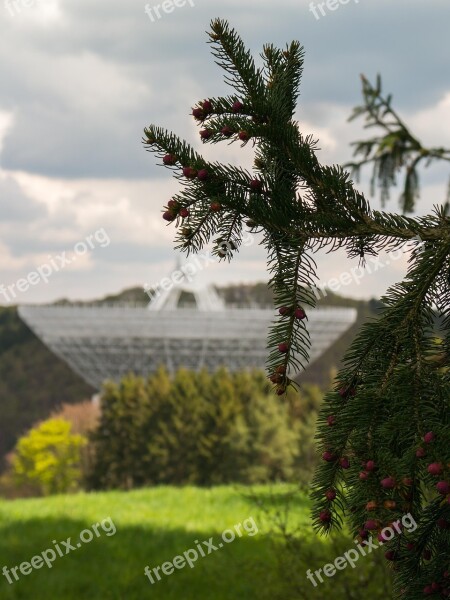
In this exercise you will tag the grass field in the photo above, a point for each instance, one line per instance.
(152, 527)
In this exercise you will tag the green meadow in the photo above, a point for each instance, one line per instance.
(155, 525)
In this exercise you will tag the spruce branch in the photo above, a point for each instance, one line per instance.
(387, 417)
(394, 150)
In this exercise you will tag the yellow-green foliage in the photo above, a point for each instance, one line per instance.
(48, 457)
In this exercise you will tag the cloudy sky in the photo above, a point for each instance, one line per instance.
(79, 81)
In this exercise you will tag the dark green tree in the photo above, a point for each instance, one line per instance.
(117, 442)
(389, 409)
(196, 428)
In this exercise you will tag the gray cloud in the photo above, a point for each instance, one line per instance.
(82, 89)
(15, 206)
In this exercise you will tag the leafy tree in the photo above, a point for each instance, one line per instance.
(118, 444)
(175, 436)
(48, 457)
(83, 416)
(197, 428)
(389, 409)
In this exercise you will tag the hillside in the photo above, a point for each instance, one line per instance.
(33, 381)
